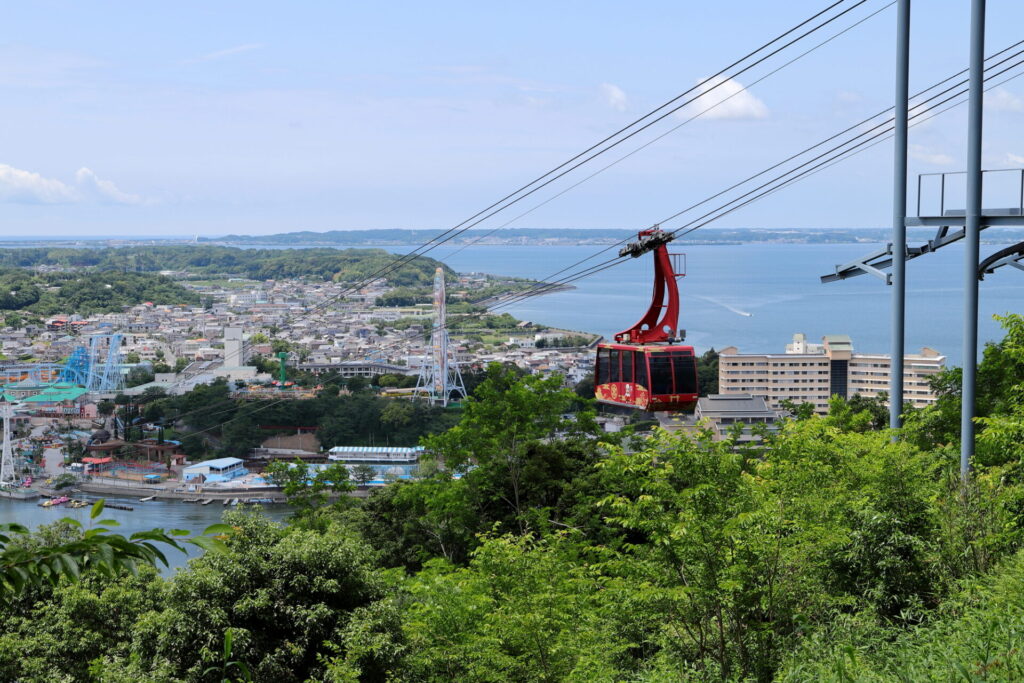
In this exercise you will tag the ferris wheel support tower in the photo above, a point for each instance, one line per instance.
(440, 379)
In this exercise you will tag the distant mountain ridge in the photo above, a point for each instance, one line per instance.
(541, 236)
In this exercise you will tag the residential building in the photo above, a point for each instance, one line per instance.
(722, 412)
(813, 373)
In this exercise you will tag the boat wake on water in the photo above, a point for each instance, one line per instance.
(724, 305)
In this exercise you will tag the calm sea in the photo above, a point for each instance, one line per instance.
(755, 296)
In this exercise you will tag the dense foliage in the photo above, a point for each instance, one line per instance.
(87, 292)
(211, 421)
(535, 547)
(344, 265)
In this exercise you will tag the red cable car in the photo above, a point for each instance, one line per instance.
(645, 368)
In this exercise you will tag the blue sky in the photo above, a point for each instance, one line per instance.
(203, 118)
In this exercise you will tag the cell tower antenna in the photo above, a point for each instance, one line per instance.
(440, 379)
(7, 476)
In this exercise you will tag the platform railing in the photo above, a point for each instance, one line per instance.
(1006, 184)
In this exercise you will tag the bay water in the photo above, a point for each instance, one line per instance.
(755, 296)
(152, 514)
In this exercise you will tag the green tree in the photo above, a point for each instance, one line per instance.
(523, 608)
(363, 474)
(502, 420)
(707, 372)
(308, 487)
(284, 593)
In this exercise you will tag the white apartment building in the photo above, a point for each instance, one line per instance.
(813, 373)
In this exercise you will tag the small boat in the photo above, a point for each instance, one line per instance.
(146, 499)
(234, 501)
(53, 502)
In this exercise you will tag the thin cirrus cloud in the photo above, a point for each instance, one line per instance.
(929, 156)
(227, 52)
(19, 186)
(724, 99)
(1003, 100)
(614, 97)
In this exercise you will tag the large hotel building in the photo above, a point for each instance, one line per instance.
(812, 373)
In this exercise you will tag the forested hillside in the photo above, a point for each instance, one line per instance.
(87, 292)
(341, 265)
(563, 553)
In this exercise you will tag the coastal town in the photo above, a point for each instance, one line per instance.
(75, 382)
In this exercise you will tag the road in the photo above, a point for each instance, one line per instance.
(53, 458)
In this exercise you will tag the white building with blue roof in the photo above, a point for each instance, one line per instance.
(389, 462)
(213, 471)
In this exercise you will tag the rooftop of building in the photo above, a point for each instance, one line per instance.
(838, 342)
(733, 405)
(216, 463)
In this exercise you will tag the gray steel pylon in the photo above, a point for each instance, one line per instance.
(7, 474)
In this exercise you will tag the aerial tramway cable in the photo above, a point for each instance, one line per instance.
(806, 169)
(575, 162)
(671, 130)
(547, 285)
(602, 146)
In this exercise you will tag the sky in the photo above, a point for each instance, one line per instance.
(195, 118)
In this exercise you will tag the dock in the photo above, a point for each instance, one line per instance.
(206, 502)
(146, 499)
(19, 493)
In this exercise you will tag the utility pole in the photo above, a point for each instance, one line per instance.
(899, 214)
(972, 230)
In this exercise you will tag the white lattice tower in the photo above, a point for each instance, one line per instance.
(7, 475)
(440, 378)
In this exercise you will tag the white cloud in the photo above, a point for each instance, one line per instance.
(94, 187)
(614, 97)
(224, 53)
(727, 100)
(1001, 99)
(849, 97)
(928, 156)
(28, 187)
(1012, 158)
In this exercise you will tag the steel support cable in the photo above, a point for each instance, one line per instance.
(462, 227)
(673, 129)
(841, 156)
(845, 154)
(724, 210)
(508, 200)
(788, 159)
(659, 108)
(890, 122)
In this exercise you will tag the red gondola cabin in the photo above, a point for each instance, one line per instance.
(645, 368)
